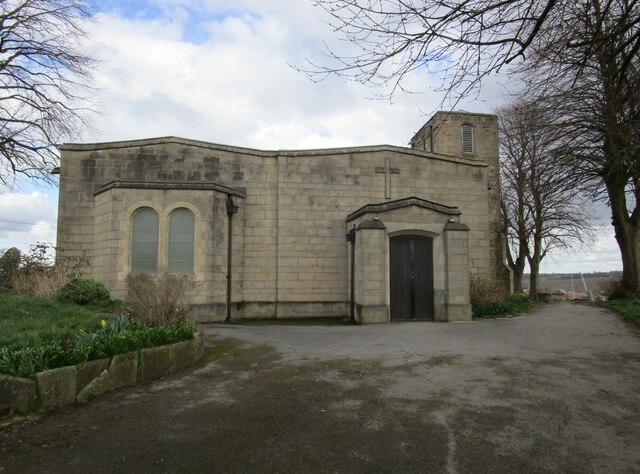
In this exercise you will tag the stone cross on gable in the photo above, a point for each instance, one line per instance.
(388, 171)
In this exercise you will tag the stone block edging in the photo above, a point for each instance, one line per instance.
(56, 388)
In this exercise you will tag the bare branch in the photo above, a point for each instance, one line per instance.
(542, 209)
(44, 83)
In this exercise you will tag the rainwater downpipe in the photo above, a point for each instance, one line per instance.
(351, 237)
(231, 210)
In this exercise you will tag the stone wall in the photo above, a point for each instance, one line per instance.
(290, 255)
(375, 228)
(443, 132)
(56, 388)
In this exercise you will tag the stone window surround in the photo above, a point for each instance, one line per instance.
(163, 234)
(124, 187)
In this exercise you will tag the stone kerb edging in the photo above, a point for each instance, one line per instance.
(56, 388)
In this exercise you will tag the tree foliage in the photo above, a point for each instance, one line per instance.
(44, 77)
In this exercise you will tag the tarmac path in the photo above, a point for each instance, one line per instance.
(555, 390)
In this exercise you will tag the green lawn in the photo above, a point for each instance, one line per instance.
(32, 334)
(629, 308)
(26, 320)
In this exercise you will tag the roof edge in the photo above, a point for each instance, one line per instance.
(265, 153)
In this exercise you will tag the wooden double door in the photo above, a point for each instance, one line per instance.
(411, 266)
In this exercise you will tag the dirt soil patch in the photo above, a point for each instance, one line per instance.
(554, 390)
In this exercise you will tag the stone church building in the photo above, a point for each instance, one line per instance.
(285, 224)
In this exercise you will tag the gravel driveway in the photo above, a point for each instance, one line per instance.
(555, 390)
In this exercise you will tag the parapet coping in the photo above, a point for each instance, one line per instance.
(267, 153)
(405, 202)
(238, 192)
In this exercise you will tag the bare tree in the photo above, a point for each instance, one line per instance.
(580, 59)
(542, 210)
(44, 78)
(461, 42)
(592, 88)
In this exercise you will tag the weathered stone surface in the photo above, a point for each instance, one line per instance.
(88, 371)
(154, 363)
(290, 258)
(19, 394)
(459, 312)
(186, 353)
(372, 314)
(182, 354)
(159, 361)
(198, 346)
(123, 370)
(57, 387)
(98, 386)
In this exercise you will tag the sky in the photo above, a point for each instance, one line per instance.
(224, 72)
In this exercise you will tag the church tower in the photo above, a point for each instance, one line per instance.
(472, 136)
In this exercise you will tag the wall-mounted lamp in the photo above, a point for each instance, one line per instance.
(231, 207)
(351, 235)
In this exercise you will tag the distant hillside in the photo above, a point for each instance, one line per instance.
(596, 281)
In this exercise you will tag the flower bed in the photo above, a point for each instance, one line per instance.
(116, 336)
(54, 388)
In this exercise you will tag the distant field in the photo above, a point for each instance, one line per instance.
(595, 283)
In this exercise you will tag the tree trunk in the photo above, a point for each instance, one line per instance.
(627, 236)
(518, 271)
(534, 263)
(621, 167)
(533, 278)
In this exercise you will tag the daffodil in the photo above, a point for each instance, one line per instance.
(103, 323)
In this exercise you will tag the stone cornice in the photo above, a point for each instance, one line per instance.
(171, 186)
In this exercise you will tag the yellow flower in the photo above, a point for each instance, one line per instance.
(103, 323)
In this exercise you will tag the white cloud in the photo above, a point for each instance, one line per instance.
(26, 218)
(601, 255)
(237, 86)
(221, 71)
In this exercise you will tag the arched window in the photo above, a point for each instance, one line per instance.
(144, 240)
(181, 230)
(467, 138)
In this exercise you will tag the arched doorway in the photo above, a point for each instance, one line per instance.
(411, 278)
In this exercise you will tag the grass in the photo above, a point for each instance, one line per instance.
(629, 308)
(40, 334)
(25, 320)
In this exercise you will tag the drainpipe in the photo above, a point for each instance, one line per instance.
(351, 237)
(231, 210)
